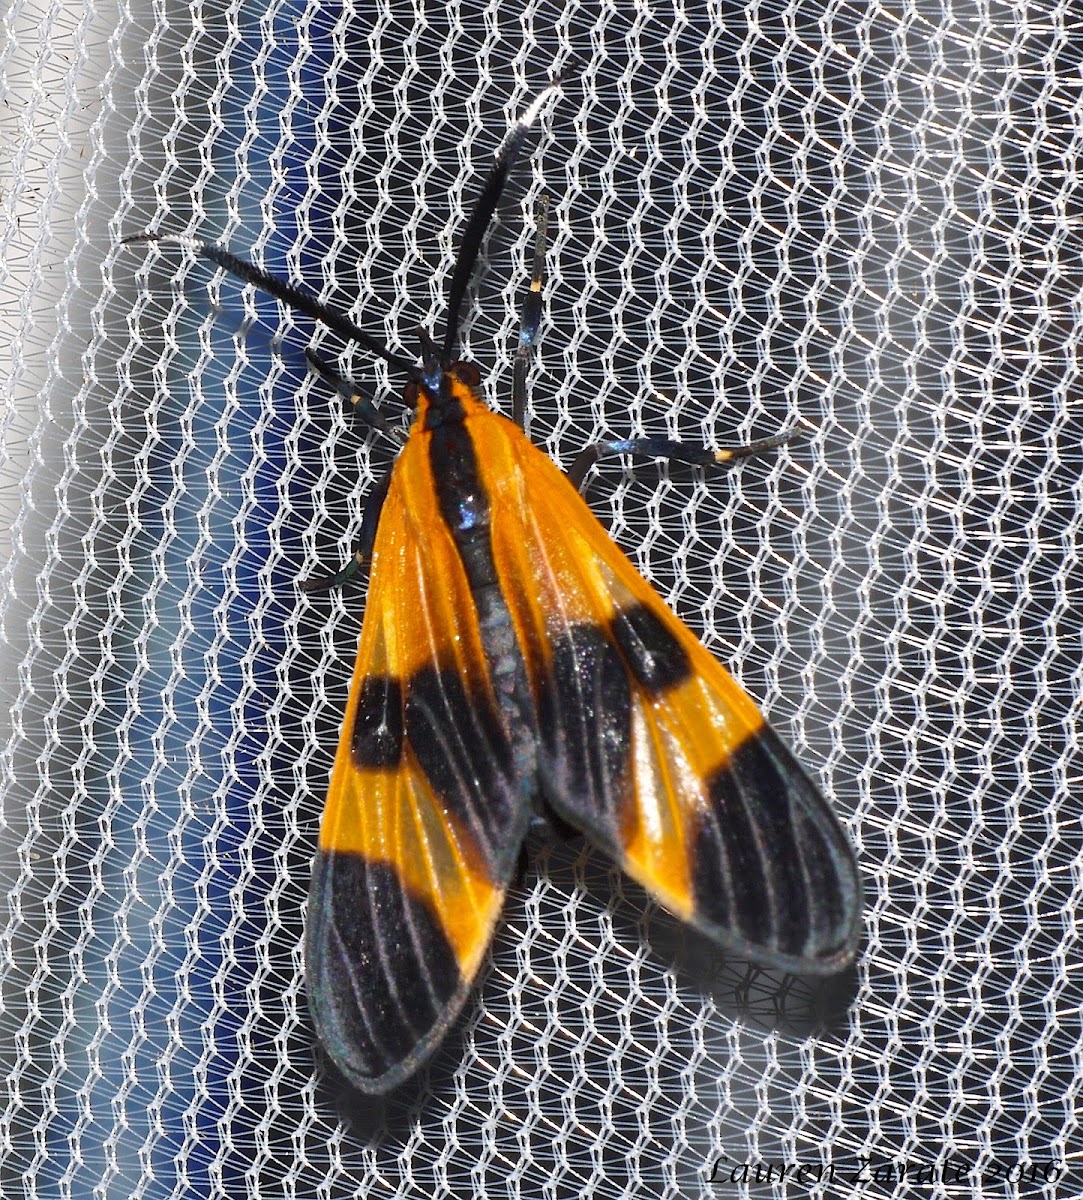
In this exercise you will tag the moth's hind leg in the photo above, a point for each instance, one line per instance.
(545, 829)
(362, 550)
(361, 409)
(667, 448)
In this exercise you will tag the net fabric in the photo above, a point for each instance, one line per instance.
(862, 216)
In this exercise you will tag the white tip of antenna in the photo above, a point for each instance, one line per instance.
(195, 245)
(540, 101)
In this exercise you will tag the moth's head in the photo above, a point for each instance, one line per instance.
(438, 383)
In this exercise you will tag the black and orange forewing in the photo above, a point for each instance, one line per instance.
(425, 813)
(630, 731)
(648, 745)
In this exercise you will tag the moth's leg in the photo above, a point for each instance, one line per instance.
(362, 550)
(361, 409)
(530, 323)
(660, 447)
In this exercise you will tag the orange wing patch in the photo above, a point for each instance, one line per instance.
(419, 599)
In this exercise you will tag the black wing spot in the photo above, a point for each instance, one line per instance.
(584, 712)
(376, 741)
(730, 877)
(763, 866)
(380, 970)
(656, 659)
(460, 745)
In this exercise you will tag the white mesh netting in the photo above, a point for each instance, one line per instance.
(859, 214)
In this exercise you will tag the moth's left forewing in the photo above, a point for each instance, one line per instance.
(651, 748)
(425, 812)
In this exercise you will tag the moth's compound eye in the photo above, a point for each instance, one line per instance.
(468, 373)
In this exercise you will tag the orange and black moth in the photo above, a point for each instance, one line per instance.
(514, 667)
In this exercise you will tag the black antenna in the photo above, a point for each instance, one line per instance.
(292, 297)
(484, 208)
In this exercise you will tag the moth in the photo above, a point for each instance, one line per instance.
(513, 664)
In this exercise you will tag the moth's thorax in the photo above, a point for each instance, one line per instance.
(451, 402)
